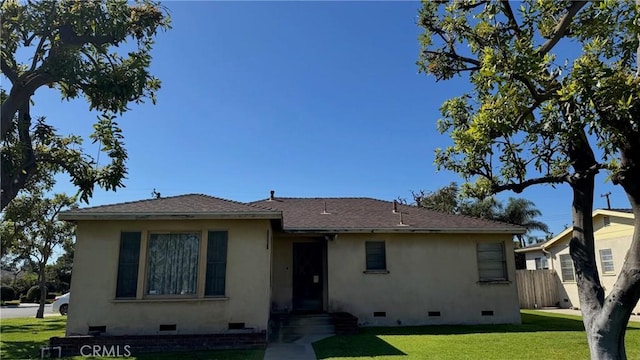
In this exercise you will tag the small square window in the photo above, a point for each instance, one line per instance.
(376, 255)
(492, 264)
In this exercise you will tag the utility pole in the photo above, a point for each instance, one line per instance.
(608, 202)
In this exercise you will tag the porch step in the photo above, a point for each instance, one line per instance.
(298, 326)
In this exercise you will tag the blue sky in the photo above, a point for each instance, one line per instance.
(305, 98)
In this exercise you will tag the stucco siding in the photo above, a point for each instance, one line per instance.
(426, 273)
(247, 285)
(615, 239)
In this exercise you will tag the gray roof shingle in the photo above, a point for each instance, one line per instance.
(299, 214)
(367, 214)
(182, 205)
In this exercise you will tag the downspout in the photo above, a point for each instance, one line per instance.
(544, 250)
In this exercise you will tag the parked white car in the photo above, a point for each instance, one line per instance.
(61, 304)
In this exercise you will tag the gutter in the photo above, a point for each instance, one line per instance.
(171, 216)
(401, 229)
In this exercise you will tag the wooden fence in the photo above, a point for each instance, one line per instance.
(537, 288)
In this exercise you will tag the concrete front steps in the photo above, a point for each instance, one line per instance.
(294, 327)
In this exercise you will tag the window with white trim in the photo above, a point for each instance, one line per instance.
(606, 260)
(542, 263)
(492, 264)
(566, 268)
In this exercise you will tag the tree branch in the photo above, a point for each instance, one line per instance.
(562, 27)
(512, 19)
(8, 71)
(519, 187)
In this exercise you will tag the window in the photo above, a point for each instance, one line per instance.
(172, 263)
(492, 265)
(607, 221)
(566, 268)
(127, 283)
(216, 263)
(606, 260)
(542, 263)
(376, 255)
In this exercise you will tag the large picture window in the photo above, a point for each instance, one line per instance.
(172, 263)
(492, 265)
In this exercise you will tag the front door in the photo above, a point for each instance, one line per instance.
(307, 277)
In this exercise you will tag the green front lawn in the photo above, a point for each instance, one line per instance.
(541, 336)
(22, 339)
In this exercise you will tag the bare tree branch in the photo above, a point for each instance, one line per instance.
(562, 27)
(512, 19)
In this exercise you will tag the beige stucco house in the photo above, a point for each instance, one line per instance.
(196, 264)
(613, 229)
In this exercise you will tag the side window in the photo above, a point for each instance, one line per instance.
(542, 263)
(566, 268)
(492, 265)
(216, 263)
(376, 255)
(606, 260)
(128, 262)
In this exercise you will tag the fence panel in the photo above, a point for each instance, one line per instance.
(537, 288)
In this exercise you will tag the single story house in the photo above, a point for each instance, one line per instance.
(197, 264)
(613, 229)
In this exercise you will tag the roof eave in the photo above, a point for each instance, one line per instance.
(405, 229)
(170, 216)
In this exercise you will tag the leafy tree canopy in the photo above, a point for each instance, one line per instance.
(535, 113)
(71, 45)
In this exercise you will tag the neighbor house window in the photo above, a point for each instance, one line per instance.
(376, 255)
(492, 265)
(542, 263)
(606, 260)
(216, 263)
(128, 259)
(172, 263)
(566, 268)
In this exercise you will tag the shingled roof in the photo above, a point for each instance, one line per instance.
(183, 206)
(318, 215)
(372, 215)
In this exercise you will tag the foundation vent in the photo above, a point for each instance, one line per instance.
(434, 313)
(168, 327)
(487, 312)
(380, 314)
(236, 326)
(97, 329)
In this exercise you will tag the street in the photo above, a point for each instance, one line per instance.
(24, 310)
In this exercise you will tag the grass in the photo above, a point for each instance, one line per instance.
(22, 338)
(541, 335)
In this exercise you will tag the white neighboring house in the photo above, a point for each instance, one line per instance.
(613, 229)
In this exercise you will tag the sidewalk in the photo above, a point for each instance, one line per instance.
(298, 350)
(635, 318)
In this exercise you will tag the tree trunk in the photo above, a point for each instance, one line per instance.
(43, 290)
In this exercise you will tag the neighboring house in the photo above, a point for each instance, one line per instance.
(613, 230)
(197, 264)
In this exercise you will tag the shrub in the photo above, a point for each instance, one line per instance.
(7, 293)
(33, 295)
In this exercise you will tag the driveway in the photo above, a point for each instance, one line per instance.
(24, 310)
